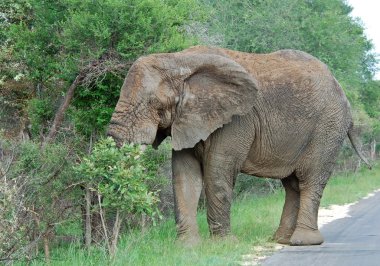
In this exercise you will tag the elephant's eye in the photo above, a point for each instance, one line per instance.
(155, 102)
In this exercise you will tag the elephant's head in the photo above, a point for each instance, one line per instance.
(187, 95)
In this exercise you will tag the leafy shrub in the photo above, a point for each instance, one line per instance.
(36, 194)
(39, 111)
(92, 107)
(120, 176)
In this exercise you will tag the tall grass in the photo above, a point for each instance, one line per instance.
(254, 220)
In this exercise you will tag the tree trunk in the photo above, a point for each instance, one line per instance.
(62, 109)
(143, 223)
(46, 249)
(88, 204)
(373, 150)
(115, 234)
(88, 228)
(46, 239)
(357, 165)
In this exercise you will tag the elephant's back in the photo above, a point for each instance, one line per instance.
(292, 75)
(296, 81)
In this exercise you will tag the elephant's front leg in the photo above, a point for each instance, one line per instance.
(219, 175)
(187, 187)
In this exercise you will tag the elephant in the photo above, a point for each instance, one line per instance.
(279, 115)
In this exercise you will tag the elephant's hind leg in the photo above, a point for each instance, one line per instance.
(290, 211)
(187, 186)
(306, 232)
(313, 172)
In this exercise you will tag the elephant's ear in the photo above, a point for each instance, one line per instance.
(216, 90)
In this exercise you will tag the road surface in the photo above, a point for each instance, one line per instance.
(349, 241)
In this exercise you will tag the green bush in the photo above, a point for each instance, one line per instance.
(36, 195)
(39, 111)
(92, 107)
(120, 177)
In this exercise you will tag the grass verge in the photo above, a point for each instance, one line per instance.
(254, 219)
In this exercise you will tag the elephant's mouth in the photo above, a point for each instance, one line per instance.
(160, 137)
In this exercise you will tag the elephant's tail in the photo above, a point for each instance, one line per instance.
(354, 141)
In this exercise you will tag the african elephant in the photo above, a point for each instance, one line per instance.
(280, 115)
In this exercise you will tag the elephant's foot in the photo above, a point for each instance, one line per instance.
(189, 240)
(305, 237)
(282, 235)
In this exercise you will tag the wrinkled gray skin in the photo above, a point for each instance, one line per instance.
(280, 115)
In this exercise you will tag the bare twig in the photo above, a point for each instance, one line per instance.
(96, 71)
(103, 223)
(74, 185)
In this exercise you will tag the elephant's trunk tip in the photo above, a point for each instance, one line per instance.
(114, 136)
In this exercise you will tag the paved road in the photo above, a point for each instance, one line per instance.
(349, 241)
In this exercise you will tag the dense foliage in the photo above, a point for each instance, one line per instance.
(35, 196)
(48, 46)
(51, 41)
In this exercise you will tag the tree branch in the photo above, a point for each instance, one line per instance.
(86, 77)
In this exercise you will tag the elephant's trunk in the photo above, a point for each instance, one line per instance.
(115, 131)
(138, 132)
